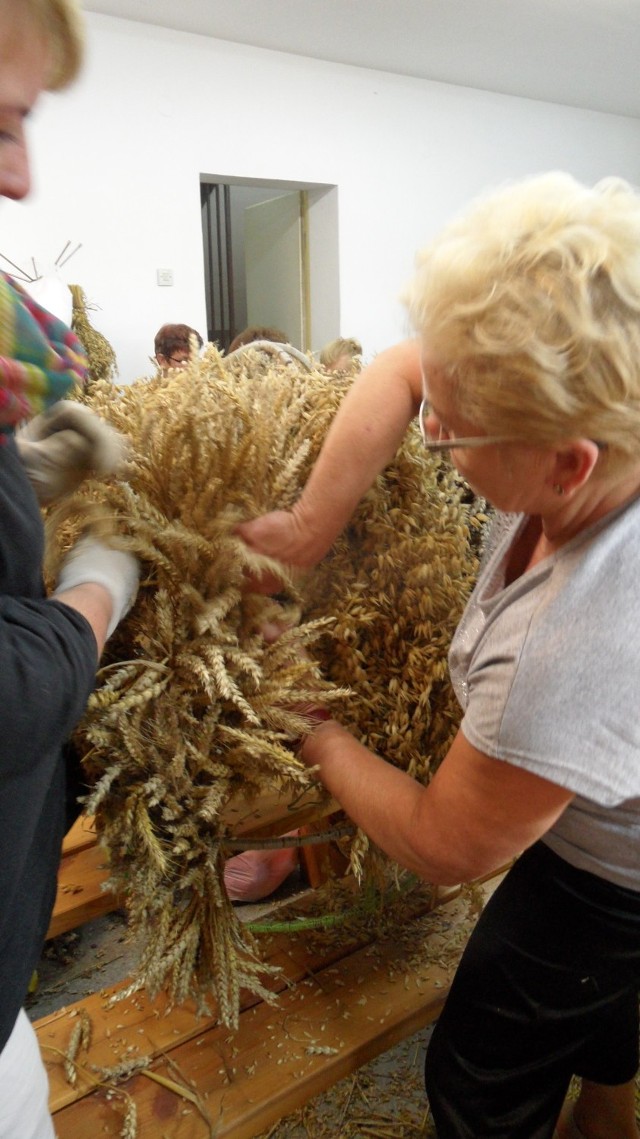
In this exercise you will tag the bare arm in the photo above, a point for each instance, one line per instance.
(95, 603)
(476, 814)
(363, 438)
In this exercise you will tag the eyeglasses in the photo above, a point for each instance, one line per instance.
(441, 444)
(450, 444)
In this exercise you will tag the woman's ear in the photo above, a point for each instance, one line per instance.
(573, 464)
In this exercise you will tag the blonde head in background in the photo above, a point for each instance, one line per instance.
(530, 301)
(338, 354)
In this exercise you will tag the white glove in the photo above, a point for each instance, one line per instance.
(63, 445)
(93, 561)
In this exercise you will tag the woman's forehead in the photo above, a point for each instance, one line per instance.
(24, 60)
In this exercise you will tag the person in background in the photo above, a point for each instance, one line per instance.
(49, 646)
(174, 344)
(526, 370)
(273, 346)
(257, 332)
(338, 355)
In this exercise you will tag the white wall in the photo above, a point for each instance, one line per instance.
(118, 160)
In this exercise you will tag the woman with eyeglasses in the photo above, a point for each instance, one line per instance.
(174, 345)
(526, 368)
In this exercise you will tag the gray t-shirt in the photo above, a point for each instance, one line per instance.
(547, 670)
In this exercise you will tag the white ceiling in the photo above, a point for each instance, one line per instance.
(584, 53)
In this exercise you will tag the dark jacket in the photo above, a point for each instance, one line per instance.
(47, 670)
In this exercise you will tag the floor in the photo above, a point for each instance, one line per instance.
(382, 1100)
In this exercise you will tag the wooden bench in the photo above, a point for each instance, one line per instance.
(338, 1006)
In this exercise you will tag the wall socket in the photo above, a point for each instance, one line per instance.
(164, 276)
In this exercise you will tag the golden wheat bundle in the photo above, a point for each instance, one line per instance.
(192, 705)
(100, 354)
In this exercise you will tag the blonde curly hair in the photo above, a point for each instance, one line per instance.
(339, 350)
(531, 303)
(61, 24)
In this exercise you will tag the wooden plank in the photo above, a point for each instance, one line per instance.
(82, 834)
(331, 1021)
(80, 895)
(273, 814)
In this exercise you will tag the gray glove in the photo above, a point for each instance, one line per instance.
(93, 561)
(65, 444)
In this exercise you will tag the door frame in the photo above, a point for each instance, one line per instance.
(224, 256)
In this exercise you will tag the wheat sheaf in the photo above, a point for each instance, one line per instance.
(192, 706)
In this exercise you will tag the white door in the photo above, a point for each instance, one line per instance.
(276, 273)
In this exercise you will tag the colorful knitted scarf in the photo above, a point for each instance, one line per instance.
(40, 358)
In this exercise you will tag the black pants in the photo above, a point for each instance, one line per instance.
(547, 988)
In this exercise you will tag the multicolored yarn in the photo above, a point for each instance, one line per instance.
(40, 357)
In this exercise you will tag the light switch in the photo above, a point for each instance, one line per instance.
(164, 276)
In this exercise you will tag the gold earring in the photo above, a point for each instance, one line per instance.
(558, 489)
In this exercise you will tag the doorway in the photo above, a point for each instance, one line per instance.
(270, 258)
